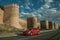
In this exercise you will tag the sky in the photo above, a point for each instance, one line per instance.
(42, 9)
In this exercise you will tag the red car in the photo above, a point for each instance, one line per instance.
(31, 32)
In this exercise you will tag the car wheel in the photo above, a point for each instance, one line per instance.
(31, 34)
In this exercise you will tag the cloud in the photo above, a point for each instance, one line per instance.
(48, 14)
(41, 8)
(46, 6)
(58, 18)
(23, 13)
(27, 14)
(32, 4)
(59, 4)
(27, 4)
(44, 12)
(52, 15)
(48, 1)
(33, 15)
(41, 0)
(30, 14)
(39, 16)
(22, 6)
(53, 10)
(19, 1)
(27, 7)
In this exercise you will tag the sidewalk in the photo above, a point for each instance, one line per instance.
(46, 31)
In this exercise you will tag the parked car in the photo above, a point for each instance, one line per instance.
(31, 32)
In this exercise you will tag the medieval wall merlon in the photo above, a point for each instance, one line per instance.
(12, 5)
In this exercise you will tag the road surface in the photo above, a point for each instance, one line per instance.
(42, 36)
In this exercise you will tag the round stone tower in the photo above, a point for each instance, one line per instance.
(1, 16)
(11, 15)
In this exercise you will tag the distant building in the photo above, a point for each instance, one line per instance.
(52, 25)
(31, 22)
(44, 24)
(38, 26)
(55, 25)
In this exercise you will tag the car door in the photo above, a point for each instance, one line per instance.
(34, 31)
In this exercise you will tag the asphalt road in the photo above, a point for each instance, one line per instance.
(56, 36)
(42, 36)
